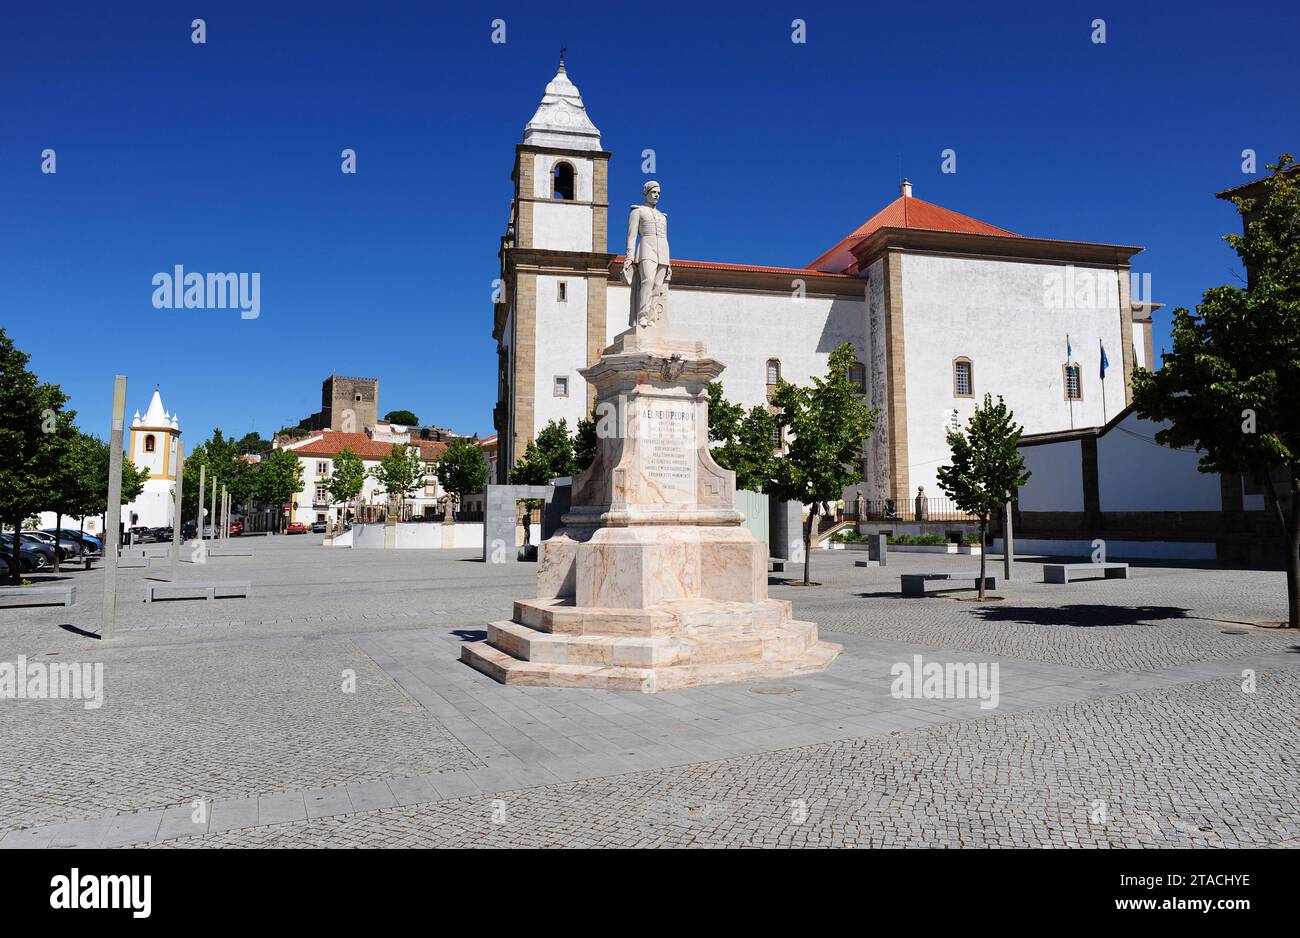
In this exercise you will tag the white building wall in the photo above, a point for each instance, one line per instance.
(561, 351)
(1135, 473)
(744, 330)
(996, 313)
(1056, 477)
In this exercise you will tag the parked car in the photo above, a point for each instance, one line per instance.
(140, 535)
(318, 527)
(4, 566)
(297, 527)
(162, 535)
(188, 529)
(31, 555)
(236, 527)
(89, 542)
(67, 549)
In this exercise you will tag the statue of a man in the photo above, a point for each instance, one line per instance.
(647, 266)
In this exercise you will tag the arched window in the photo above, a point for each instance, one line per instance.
(149, 443)
(963, 378)
(562, 181)
(773, 376)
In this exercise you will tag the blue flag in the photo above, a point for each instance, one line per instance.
(1105, 362)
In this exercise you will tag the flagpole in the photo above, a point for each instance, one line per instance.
(1102, 347)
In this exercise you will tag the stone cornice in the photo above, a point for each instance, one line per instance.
(1031, 250)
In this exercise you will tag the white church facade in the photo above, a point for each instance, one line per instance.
(940, 308)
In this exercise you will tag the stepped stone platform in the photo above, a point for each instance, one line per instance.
(654, 582)
(553, 643)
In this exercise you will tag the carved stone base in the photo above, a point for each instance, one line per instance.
(684, 643)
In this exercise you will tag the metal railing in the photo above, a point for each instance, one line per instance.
(912, 509)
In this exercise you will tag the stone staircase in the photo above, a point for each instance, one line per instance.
(682, 643)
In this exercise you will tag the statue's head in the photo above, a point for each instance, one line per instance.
(651, 192)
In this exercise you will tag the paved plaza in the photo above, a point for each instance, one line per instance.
(330, 710)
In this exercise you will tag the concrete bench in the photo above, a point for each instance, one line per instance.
(776, 565)
(209, 587)
(914, 583)
(133, 561)
(67, 595)
(866, 563)
(146, 550)
(1061, 572)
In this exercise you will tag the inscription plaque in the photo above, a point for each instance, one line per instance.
(667, 443)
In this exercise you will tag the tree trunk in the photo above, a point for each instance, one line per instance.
(1291, 531)
(1293, 557)
(807, 543)
(58, 533)
(983, 555)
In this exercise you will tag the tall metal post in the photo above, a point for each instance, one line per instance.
(214, 509)
(1008, 544)
(178, 520)
(113, 509)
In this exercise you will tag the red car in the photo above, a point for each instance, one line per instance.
(236, 527)
(296, 527)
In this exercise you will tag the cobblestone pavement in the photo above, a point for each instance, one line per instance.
(211, 721)
(1111, 691)
(1198, 765)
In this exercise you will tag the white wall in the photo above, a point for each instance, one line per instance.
(559, 225)
(561, 350)
(1135, 473)
(744, 330)
(996, 313)
(1056, 480)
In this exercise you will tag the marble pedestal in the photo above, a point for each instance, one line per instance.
(654, 582)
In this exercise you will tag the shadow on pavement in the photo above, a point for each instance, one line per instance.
(1080, 615)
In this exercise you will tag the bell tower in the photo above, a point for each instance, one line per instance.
(554, 271)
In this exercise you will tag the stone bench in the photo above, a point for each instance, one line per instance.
(209, 588)
(1061, 572)
(67, 594)
(776, 565)
(914, 583)
(133, 561)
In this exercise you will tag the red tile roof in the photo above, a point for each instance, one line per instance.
(905, 212)
(333, 442)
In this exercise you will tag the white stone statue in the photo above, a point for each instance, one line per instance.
(647, 265)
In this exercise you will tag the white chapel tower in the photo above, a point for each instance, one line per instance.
(154, 439)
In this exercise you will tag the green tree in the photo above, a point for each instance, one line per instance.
(826, 428)
(1231, 386)
(347, 478)
(97, 455)
(400, 473)
(551, 455)
(279, 480)
(403, 417)
(32, 435)
(986, 468)
(461, 469)
(746, 442)
(584, 443)
(73, 490)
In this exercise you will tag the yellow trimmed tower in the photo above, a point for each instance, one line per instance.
(154, 439)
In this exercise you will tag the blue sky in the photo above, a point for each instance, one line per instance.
(225, 157)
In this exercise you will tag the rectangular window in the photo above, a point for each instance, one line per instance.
(563, 291)
(1073, 383)
(963, 383)
(321, 495)
(322, 468)
(561, 386)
